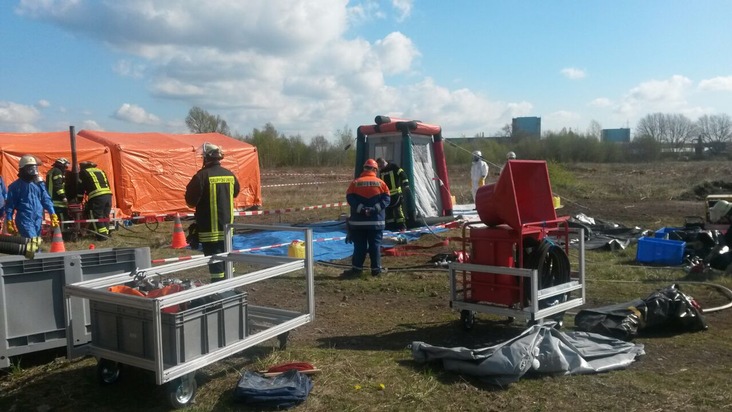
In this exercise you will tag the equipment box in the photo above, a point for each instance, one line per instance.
(186, 335)
(660, 251)
(667, 232)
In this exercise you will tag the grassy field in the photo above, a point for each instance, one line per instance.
(363, 327)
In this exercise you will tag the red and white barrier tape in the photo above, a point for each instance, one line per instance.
(306, 183)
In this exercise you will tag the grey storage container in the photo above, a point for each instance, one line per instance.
(32, 295)
(186, 335)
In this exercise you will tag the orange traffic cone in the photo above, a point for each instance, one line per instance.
(57, 242)
(179, 238)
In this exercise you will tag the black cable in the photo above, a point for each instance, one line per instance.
(551, 264)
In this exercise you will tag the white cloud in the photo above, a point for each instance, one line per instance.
(135, 114)
(127, 68)
(573, 73)
(668, 95)
(720, 83)
(601, 102)
(403, 8)
(18, 117)
(43, 103)
(90, 125)
(396, 53)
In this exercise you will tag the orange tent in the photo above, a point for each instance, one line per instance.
(151, 170)
(47, 147)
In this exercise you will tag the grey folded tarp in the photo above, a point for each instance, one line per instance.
(540, 349)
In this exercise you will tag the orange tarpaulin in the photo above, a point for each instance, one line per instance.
(47, 147)
(151, 170)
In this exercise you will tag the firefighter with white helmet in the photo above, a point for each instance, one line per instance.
(27, 199)
(478, 172)
(510, 156)
(212, 191)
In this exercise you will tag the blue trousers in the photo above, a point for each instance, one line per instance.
(366, 241)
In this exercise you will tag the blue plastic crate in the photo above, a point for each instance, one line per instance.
(660, 251)
(663, 232)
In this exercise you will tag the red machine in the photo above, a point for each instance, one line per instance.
(514, 251)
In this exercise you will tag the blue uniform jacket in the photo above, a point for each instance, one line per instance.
(27, 200)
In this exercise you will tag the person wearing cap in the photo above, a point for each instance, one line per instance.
(95, 185)
(211, 191)
(398, 183)
(56, 187)
(27, 199)
(368, 198)
(478, 172)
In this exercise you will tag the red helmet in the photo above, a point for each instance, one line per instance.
(371, 163)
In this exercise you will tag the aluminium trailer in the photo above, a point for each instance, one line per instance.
(133, 330)
(564, 296)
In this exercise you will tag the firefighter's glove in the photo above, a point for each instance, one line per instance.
(481, 182)
(54, 220)
(12, 229)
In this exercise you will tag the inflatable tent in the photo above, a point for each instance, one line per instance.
(151, 170)
(418, 148)
(47, 147)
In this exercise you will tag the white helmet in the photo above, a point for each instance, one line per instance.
(510, 156)
(719, 210)
(477, 153)
(210, 151)
(27, 160)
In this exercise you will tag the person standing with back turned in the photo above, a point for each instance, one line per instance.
(212, 191)
(368, 197)
(398, 183)
(95, 185)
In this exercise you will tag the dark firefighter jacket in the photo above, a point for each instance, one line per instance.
(395, 178)
(55, 186)
(212, 191)
(94, 182)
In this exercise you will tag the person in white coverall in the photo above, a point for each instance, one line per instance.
(478, 172)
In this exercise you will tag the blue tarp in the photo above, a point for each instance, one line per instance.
(322, 250)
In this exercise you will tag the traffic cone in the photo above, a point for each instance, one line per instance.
(57, 242)
(179, 238)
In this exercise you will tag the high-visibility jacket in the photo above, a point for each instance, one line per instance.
(368, 197)
(94, 182)
(212, 191)
(395, 178)
(55, 185)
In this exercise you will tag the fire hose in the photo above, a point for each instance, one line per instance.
(552, 264)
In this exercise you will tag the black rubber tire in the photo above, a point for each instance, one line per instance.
(108, 371)
(467, 319)
(181, 391)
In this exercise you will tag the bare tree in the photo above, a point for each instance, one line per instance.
(653, 126)
(715, 128)
(680, 130)
(201, 121)
(594, 130)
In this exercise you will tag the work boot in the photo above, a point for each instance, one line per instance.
(378, 272)
(351, 273)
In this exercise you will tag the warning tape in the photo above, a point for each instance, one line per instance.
(258, 248)
(306, 183)
(245, 213)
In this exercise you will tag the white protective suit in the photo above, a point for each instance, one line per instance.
(478, 172)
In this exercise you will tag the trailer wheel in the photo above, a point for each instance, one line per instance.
(181, 391)
(108, 371)
(467, 318)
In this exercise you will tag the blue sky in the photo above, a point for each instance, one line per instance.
(312, 67)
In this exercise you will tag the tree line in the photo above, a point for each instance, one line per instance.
(657, 137)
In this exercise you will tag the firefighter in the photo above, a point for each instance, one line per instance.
(95, 185)
(368, 197)
(212, 191)
(56, 187)
(478, 172)
(27, 198)
(398, 183)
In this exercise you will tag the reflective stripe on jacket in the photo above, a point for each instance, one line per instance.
(94, 181)
(55, 185)
(212, 191)
(395, 178)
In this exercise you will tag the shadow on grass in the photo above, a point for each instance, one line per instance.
(485, 332)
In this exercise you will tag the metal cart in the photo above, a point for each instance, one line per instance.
(505, 295)
(133, 330)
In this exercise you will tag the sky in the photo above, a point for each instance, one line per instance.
(319, 67)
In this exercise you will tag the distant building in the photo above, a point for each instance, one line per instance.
(621, 135)
(526, 127)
